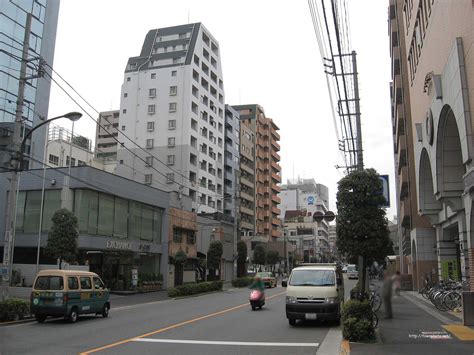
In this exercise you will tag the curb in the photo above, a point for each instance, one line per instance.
(197, 295)
(345, 347)
(13, 322)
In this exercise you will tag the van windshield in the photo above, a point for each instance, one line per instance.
(49, 283)
(312, 278)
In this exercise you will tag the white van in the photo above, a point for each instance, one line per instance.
(314, 292)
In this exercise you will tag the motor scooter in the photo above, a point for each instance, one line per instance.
(257, 299)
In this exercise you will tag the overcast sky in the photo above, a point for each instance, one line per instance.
(269, 56)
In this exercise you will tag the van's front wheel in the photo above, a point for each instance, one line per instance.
(105, 311)
(72, 318)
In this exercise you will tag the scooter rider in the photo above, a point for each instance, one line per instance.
(258, 285)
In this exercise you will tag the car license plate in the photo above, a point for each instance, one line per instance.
(310, 316)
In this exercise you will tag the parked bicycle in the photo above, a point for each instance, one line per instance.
(445, 295)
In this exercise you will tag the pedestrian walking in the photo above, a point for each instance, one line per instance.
(387, 295)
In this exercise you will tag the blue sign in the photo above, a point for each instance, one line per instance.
(386, 190)
(310, 200)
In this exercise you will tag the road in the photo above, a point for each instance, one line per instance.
(208, 324)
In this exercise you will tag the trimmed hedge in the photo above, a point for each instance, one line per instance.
(14, 309)
(242, 281)
(357, 321)
(194, 288)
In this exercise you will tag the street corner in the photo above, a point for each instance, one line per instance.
(461, 332)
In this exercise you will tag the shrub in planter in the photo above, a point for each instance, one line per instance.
(13, 309)
(194, 288)
(242, 281)
(357, 321)
(354, 329)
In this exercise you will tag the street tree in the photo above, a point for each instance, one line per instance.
(259, 255)
(62, 237)
(241, 258)
(362, 228)
(214, 256)
(272, 258)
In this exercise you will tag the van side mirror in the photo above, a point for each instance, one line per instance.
(284, 283)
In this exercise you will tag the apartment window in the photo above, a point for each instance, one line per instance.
(148, 178)
(169, 178)
(171, 124)
(173, 90)
(171, 141)
(172, 107)
(193, 159)
(193, 142)
(152, 92)
(123, 128)
(150, 126)
(174, 73)
(121, 161)
(170, 160)
(81, 163)
(176, 60)
(128, 78)
(151, 109)
(125, 94)
(149, 161)
(153, 75)
(124, 110)
(194, 124)
(53, 159)
(149, 143)
(73, 161)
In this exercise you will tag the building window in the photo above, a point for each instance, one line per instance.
(123, 128)
(194, 124)
(81, 163)
(128, 78)
(174, 73)
(176, 60)
(151, 109)
(177, 237)
(169, 178)
(172, 107)
(124, 110)
(173, 90)
(73, 161)
(152, 93)
(125, 94)
(191, 237)
(170, 160)
(153, 75)
(193, 159)
(171, 141)
(53, 159)
(193, 142)
(149, 143)
(171, 124)
(148, 179)
(149, 161)
(150, 126)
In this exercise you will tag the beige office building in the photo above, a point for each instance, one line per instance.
(437, 39)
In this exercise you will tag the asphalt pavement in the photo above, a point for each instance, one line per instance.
(215, 323)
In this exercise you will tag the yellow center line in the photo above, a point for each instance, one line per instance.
(161, 330)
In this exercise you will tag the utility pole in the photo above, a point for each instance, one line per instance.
(15, 162)
(236, 221)
(360, 159)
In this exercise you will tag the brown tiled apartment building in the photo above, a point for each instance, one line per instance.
(267, 171)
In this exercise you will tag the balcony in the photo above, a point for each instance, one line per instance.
(261, 165)
(260, 178)
(261, 142)
(246, 182)
(262, 120)
(247, 168)
(262, 154)
(275, 145)
(260, 203)
(276, 188)
(246, 196)
(276, 210)
(402, 154)
(403, 180)
(405, 213)
(275, 155)
(276, 233)
(275, 134)
(247, 210)
(276, 199)
(276, 222)
(276, 177)
(275, 166)
(246, 225)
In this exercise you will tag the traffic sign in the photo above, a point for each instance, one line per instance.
(385, 190)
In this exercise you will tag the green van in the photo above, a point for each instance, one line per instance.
(68, 293)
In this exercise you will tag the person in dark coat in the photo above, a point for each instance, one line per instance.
(387, 295)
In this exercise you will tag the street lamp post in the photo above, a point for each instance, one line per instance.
(11, 209)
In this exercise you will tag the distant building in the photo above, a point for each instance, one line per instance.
(231, 160)
(107, 135)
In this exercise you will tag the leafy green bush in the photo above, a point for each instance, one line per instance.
(357, 321)
(14, 309)
(195, 288)
(242, 281)
(354, 329)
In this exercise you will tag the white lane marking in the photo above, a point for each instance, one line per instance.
(238, 343)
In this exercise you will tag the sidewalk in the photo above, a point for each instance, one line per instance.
(139, 298)
(417, 328)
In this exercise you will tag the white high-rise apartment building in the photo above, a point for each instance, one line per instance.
(172, 106)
